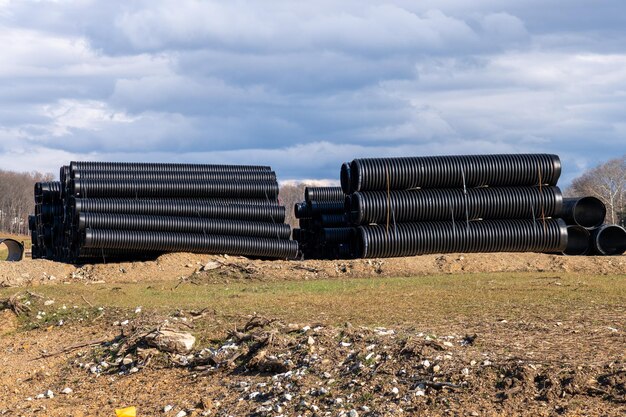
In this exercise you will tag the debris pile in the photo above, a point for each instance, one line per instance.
(269, 367)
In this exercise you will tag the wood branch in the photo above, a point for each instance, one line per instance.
(35, 295)
(232, 359)
(306, 268)
(73, 347)
(87, 301)
(14, 303)
(257, 321)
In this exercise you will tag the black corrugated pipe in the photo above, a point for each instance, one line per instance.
(577, 241)
(302, 211)
(183, 224)
(191, 242)
(326, 207)
(338, 234)
(106, 188)
(139, 166)
(333, 220)
(32, 222)
(609, 239)
(323, 194)
(264, 213)
(48, 192)
(113, 253)
(218, 200)
(49, 211)
(453, 171)
(15, 250)
(409, 239)
(64, 176)
(588, 212)
(344, 251)
(455, 204)
(344, 176)
(174, 176)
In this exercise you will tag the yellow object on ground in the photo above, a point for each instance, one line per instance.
(126, 412)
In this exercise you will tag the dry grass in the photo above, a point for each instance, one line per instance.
(427, 301)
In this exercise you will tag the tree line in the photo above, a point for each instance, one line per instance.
(17, 200)
(606, 181)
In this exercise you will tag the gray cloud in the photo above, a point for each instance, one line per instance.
(304, 86)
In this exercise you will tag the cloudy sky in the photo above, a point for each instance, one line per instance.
(306, 85)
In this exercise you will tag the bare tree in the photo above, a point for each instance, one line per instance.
(289, 196)
(606, 182)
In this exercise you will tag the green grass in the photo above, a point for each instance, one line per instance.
(433, 300)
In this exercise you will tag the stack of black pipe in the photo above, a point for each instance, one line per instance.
(587, 233)
(324, 232)
(46, 225)
(437, 204)
(135, 210)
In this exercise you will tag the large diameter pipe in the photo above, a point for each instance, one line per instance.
(327, 207)
(323, 194)
(609, 239)
(191, 242)
(48, 192)
(302, 210)
(183, 224)
(139, 166)
(578, 242)
(588, 212)
(15, 250)
(173, 189)
(409, 239)
(454, 204)
(182, 208)
(453, 171)
(344, 176)
(174, 176)
(98, 253)
(337, 234)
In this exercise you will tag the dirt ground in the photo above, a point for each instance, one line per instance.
(181, 265)
(564, 354)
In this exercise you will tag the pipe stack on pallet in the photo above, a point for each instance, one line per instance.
(324, 232)
(134, 210)
(586, 231)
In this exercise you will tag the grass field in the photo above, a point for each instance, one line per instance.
(427, 300)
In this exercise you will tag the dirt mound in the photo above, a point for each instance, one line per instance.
(176, 266)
